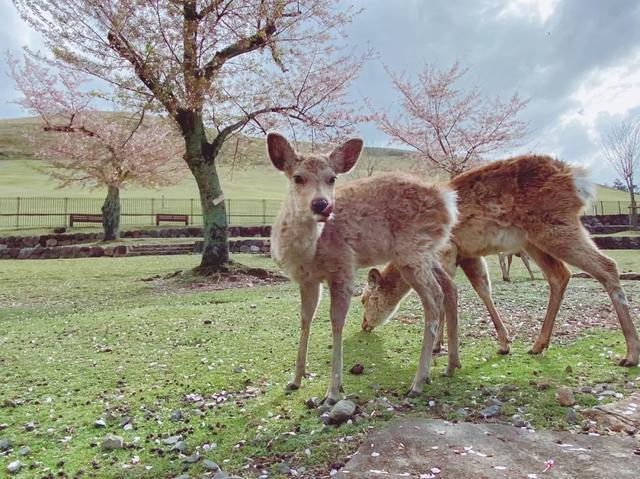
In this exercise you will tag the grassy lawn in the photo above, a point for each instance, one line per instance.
(88, 339)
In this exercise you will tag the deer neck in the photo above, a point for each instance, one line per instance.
(294, 240)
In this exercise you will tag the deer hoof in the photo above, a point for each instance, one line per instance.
(413, 393)
(627, 363)
(329, 401)
(292, 387)
(503, 351)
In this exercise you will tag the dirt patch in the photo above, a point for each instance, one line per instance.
(237, 276)
(522, 305)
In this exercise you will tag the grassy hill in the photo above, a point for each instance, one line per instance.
(244, 168)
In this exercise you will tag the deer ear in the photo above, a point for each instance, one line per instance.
(280, 151)
(374, 278)
(344, 157)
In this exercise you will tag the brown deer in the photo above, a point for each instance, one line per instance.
(507, 259)
(531, 203)
(322, 235)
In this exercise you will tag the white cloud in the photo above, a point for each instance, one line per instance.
(613, 91)
(539, 10)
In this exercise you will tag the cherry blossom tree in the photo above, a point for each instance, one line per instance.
(215, 67)
(94, 149)
(450, 129)
(621, 148)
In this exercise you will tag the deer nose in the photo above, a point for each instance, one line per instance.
(319, 205)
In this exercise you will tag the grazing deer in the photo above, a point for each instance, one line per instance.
(325, 236)
(531, 203)
(505, 264)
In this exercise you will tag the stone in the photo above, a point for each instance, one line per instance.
(210, 465)
(30, 426)
(357, 369)
(176, 415)
(324, 408)
(506, 452)
(342, 411)
(494, 402)
(571, 416)
(490, 411)
(100, 423)
(221, 475)
(622, 415)
(51, 242)
(172, 439)
(24, 451)
(179, 446)
(566, 397)
(5, 444)
(284, 468)
(112, 442)
(14, 467)
(517, 421)
(193, 458)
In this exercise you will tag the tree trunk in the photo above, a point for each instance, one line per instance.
(111, 214)
(215, 254)
(633, 210)
(201, 160)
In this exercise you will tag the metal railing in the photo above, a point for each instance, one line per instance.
(599, 208)
(42, 212)
(36, 212)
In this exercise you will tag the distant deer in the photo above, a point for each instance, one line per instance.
(325, 236)
(505, 264)
(531, 203)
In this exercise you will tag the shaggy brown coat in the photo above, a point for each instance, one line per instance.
(532, 203)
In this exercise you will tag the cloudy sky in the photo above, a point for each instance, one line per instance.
(577, 61)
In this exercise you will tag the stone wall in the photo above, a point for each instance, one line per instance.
(55, 252)
(606, 223)
(617, 242)
(67, 239)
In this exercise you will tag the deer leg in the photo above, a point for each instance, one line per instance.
(419, 276)
(557, 276)
(341, 294)
(309, 298)
(450, 310)
(448, 264)
(476, 270)
(577, 249)
(503, 267)
(525, 260)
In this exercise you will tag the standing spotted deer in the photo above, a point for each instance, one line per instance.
(322, 235)
(532, 203)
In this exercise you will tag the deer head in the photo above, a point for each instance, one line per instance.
(312, 177)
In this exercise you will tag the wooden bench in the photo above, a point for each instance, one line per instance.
(82, 218)
(164, 217)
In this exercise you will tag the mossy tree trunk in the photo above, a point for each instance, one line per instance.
(200, 156)
(633, 208)
(111, 214)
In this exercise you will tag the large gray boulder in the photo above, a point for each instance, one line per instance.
(416, 447)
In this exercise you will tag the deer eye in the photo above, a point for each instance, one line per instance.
(332, 180)
(298, 180)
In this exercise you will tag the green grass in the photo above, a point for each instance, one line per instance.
(85, 337)
(252, 177)
(604, 193)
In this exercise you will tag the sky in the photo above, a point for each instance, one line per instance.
(576, 61)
